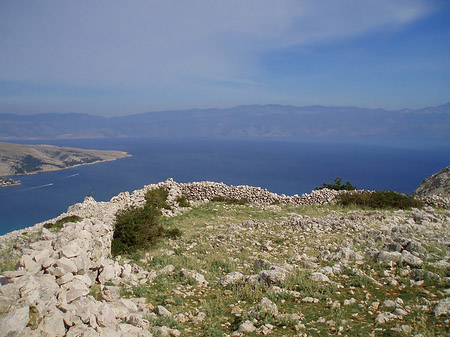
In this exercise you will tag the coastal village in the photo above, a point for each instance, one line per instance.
(7, 182)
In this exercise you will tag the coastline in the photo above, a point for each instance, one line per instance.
(7, 182)
(125, 155)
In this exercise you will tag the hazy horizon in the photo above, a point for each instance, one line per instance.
(110, 59)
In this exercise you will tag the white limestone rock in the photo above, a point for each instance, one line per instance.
(162, 311)
(199, 278)
(443, 307)
(105, 317)
(246, 327)
(231, 278)
(110, 293)
(14, 323)
(319, 277)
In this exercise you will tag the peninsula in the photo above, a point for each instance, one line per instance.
(18, 159)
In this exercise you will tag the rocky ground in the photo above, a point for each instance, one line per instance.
(436, 185)
(278, 266)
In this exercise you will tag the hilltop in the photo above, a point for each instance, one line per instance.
(271, 265)
(28, 159)
(437, 184)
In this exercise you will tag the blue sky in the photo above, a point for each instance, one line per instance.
(109, 57)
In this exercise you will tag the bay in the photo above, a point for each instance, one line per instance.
(283, 166)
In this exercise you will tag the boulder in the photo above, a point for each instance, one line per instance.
(199, 278)
(246, 327)
(110, 293)
(105, 316)
(386, 257)
(14, 323)
(410, 260)
(107, 273)
(231, 278)
(319, 277)
(162, 311)
(443, 307)
(65, 266)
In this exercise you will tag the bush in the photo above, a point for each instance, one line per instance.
(379, 199)
(157, 197)
(136, 228)
(139, 228)
(182, 201)
(338, 185)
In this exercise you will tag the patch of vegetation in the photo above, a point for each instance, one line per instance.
(157, 198)
(182, 201)
(169, 322)
(338, 186)
(231, 201)
(138, 228)
(379, 200)
(58, 225)
(29, 164)
(7, 264)
(172, 233)
(94, 291)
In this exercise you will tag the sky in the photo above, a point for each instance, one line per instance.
(109, 57)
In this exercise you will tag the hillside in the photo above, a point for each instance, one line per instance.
(274, 121)
(438, 184)
(27, 159)
(276, 265)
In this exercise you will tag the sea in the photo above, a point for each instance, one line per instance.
(292, 166)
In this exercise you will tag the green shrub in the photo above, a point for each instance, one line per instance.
(338, 185)
(182, 201)
(233, 201)
(59, 224)
(157, 198)
(136, 228)
(379, 199)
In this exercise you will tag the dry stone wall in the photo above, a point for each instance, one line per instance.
(62, 282)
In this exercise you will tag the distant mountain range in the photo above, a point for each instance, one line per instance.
(240, 121)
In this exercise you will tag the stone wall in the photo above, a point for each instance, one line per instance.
(51, 292)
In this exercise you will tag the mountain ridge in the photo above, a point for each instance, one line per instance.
(271, 120)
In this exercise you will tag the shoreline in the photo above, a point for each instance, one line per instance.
(126, 155)
(7, 182)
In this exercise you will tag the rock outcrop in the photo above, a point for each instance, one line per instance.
(436, 185)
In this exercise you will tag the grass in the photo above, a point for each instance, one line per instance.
(220, 237)
(58, 225)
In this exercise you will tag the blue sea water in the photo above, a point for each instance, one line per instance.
(289, 167)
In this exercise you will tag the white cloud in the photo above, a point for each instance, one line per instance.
(164, 43)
